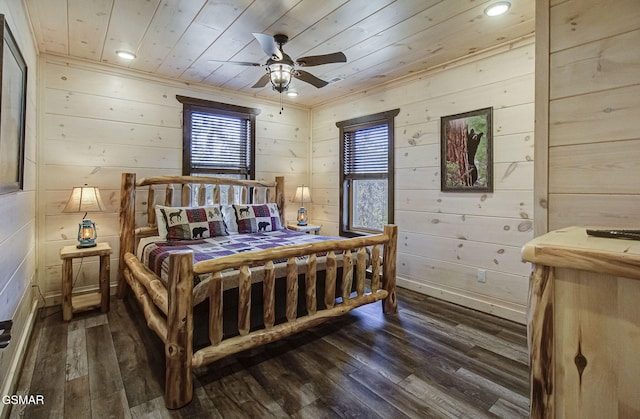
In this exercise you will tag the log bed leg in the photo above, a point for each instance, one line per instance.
(390, 304)
(127, 227)
(179, 344)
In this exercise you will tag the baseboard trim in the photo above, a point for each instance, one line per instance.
(18, 359)
(495, 307)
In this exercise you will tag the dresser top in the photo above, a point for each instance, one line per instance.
(571, 247)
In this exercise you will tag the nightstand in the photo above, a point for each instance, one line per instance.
(307, 229)
(92, 300)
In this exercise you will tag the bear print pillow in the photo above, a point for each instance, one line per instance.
(189, 223)
(257, 218)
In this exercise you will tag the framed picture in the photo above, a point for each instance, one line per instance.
(13, 72)
(466, 159)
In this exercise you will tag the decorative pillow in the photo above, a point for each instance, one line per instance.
(229, 217)
(190, 223)
(254, 218)
(162, 225)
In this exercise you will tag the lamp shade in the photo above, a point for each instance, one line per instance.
(302, 194)
(84, 199)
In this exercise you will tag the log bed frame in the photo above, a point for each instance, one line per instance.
(168, 310)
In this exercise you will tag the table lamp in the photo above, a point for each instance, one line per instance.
(302, 195)
(85, 199)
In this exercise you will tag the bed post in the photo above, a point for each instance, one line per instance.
(179, 344)
(127, 226)
(280, 198)
(390, 304)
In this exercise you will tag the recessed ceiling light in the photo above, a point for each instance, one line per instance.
(292, 93)
(125, 55)
(497, 9)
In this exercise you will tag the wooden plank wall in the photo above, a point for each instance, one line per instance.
(445, 237)
(594, 103)
(18, 224)
(98, 122)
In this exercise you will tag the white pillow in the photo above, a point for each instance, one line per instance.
(162, 226)
(229, 217)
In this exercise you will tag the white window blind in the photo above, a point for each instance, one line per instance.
(366, 151)
(220, 142)
(218, 139)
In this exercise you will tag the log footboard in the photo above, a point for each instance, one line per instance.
(240, 343)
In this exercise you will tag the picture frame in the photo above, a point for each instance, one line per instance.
(13, 99)
(466, 151)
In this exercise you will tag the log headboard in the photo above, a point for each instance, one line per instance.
(185, 191)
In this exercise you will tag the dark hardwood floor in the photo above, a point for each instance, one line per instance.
(433, 359)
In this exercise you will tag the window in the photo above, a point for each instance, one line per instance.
(366, 173)
(218, 139)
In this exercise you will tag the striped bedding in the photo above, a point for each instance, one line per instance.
(154, 252)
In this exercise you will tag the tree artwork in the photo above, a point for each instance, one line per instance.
(466, 152)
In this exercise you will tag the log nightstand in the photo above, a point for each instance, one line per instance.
(307, 229)
(92, 300)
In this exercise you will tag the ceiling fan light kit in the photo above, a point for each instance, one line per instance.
(281, 69)
(280, 76)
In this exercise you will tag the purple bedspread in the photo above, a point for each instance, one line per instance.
(155, 255)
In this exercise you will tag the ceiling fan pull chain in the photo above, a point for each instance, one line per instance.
(281, 105)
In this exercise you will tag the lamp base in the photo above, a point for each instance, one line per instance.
(85, 244)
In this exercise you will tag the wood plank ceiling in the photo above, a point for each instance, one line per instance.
(383, 39)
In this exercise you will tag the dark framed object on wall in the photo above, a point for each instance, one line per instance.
(367, 173)
(13, 73)
(218, 139)
(466, 152)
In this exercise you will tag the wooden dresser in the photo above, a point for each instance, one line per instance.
(584, 325)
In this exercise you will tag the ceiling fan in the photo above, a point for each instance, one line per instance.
(281, 68)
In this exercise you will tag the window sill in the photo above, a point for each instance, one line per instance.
(358, 233)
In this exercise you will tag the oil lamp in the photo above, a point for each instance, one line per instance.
(301, 193)
(85, 199)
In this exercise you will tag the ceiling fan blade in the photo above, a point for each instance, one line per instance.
(310, 78)
(336, 57)
(269, 45)
(262, 81)
(245, 63)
